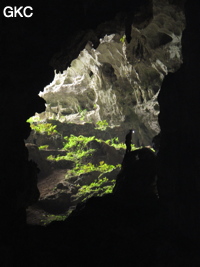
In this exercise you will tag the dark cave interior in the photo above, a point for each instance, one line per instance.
(115, 230)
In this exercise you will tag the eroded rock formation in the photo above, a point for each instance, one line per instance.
(119, 81)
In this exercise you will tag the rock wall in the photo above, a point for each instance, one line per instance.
(118, 81)
(179, 157)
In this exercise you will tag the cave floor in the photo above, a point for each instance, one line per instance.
(35, 214)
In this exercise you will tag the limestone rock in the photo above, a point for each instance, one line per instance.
(35, 155)
(87, 178)
(62, 164)
(119, 81)
(56, 203)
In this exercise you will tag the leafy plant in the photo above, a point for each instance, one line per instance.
(80, 169)
(117, 145)
(51, 217)
(123, 38)
(89, 167)
(102, 125)
(104, 167)
(76, 148)
(76, 142)
(97, 188)
(42, 128)
(74, 156)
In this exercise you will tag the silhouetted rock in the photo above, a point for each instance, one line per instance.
(137, 179)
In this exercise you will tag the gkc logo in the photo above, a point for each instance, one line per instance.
(10, 12)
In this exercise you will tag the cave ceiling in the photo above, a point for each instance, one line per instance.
(114, 72)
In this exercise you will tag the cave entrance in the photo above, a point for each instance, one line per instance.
(78, 141)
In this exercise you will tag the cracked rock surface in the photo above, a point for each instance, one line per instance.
(119, 81)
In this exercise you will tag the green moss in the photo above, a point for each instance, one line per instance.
(43, 128)
(101, 125)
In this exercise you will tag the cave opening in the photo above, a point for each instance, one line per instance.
(104, 231)
(78, 141)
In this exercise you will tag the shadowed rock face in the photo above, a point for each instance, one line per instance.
(137, 179)
(179, 120)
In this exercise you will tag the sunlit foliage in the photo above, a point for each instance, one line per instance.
(101, 125)
(44, 128)
(97, 188)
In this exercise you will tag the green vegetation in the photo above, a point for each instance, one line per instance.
(43, 128)
(74, 156)
(89, 167)
(62, 118)
(123, 38)
(33, 119)
(117, 145)
(82, 112)
(76, 148)
(43, 147)
(76, 142)
(51, 217)
(102, 125)
(97, 188)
